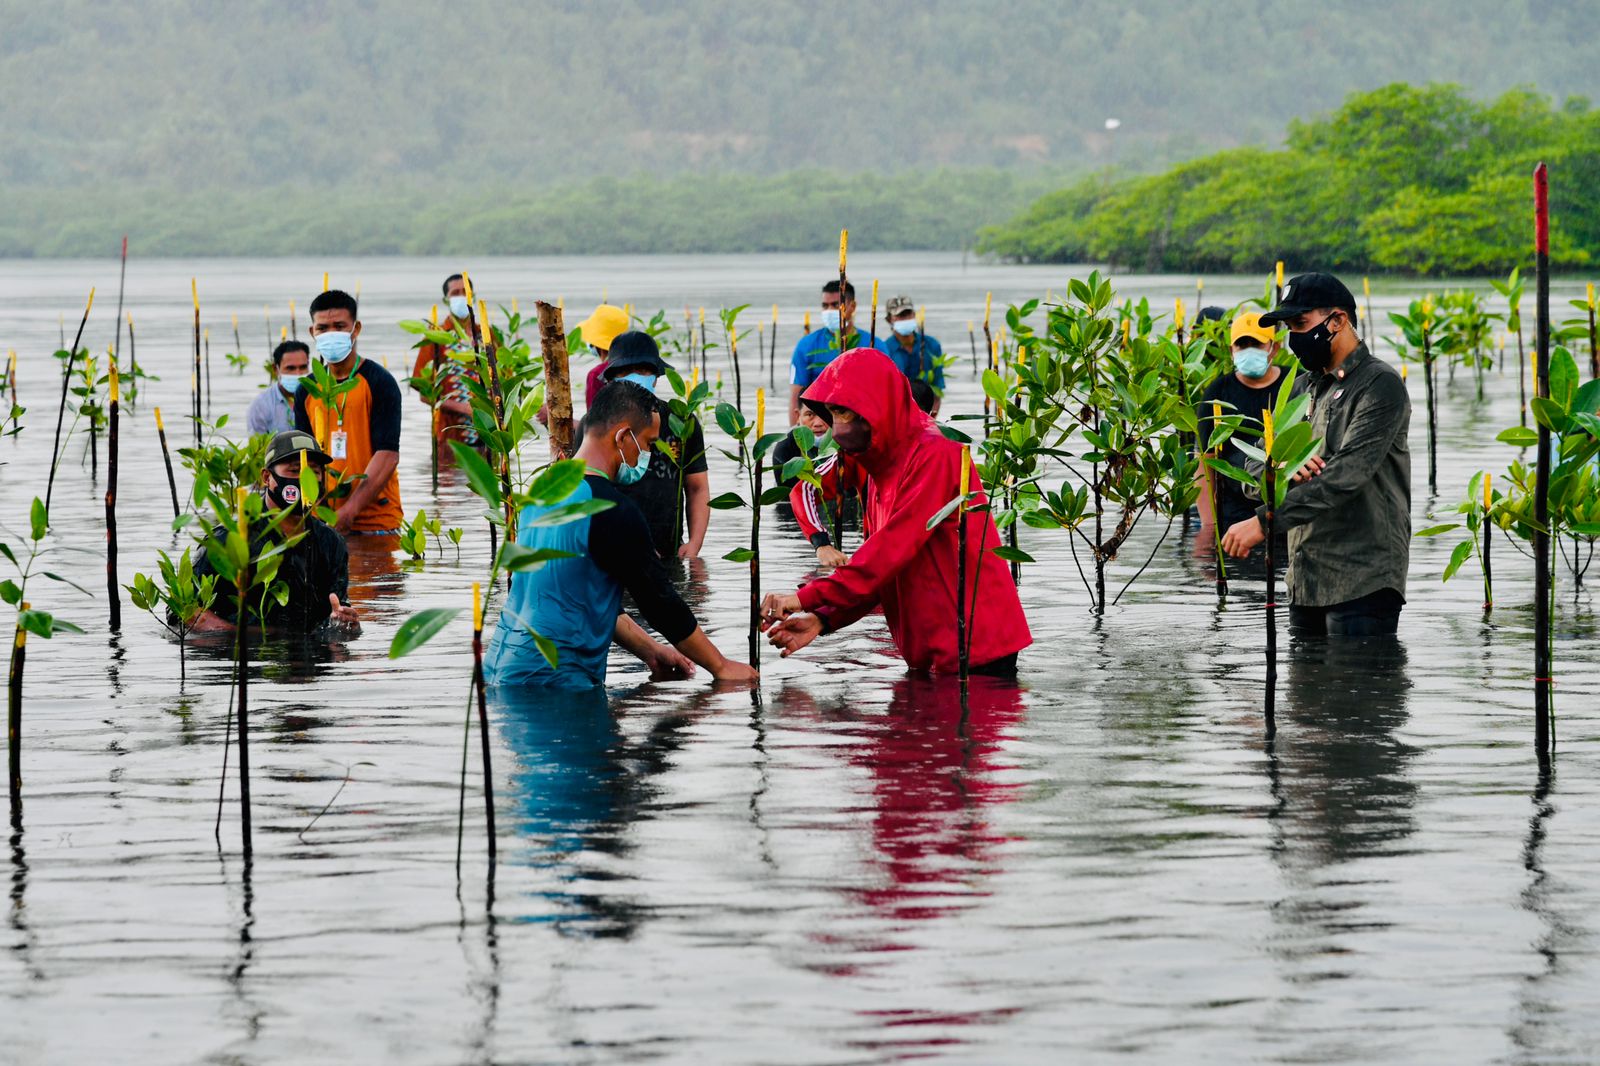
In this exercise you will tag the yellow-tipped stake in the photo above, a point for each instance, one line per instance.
(961, 565)
(875, 293)
(477, 607)
(514, 308)
(1177, 313)
(159, 426)
(1591, 296)
(966, 476)
(244, 523)
(702, 316)
(774, 317)
(116, 396)
(1266, 433)
(805, 324)
(283, 334)
(324, 281)
(483, 312)
(1402, 371)
(694, 378)
(761, 412)
(1488, 498)
(1366, 288)
(1280, 273)
(194, 292)
(358, 290)
(844, 244)
(433, 316)
(466, 282)
(988, 304)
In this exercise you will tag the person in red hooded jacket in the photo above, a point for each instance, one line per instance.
(912, 471)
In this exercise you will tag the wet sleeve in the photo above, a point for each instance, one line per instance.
(620, 544)
(1379, 417)
(385, 410)
(849, 592)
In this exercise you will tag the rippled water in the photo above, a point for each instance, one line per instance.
(1104, 863)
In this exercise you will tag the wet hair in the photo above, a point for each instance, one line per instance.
(849, 289)
(924, 395)
(619, 402)
(333, 300)
(285, 348)
(444, 290)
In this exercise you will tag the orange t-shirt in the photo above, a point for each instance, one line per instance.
(369, 417)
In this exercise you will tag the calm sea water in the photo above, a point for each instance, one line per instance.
(1106, 863)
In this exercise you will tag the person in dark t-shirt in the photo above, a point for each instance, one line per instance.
(315, 569)
(1249, 389)
(675, 491)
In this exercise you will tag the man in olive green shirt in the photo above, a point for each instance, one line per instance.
(1348, 511)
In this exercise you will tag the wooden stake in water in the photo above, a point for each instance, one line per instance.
(194, 374)
(19, 656)
(874, 341)
(483, 714)
(433, 401)
(755, 533)
(1199, 295)
(241, 648)
(1272, 577)
(294, 322)
(113, 590)
(963, 649)
(1594, 344)
(1216, 513)
(972, 342)
(166, 459)
(703, 371)
(1427, 381)
(1278, 287)
(733, 354)
(133, 361)
(558, 381)
(772, 366)
(61, 409)
(122, 282)
(1366, 292)
(1543, 738)
(1488, 530)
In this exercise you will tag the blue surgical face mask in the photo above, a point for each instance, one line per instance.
(628, 474)
(905, 326)
(459, 308)
(645, 381)
(290, 382)
(1252, 362)
(334, 347)
(830, 319)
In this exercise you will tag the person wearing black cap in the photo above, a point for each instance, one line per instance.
(1348, 511)
(676, 487)
(315, 569)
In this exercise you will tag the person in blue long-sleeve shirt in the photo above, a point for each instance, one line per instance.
(822, 346)
(919, 356)
(576, 603)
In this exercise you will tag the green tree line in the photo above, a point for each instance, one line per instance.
(1404, 179)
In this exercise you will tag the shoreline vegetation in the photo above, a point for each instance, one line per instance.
(1414, 180)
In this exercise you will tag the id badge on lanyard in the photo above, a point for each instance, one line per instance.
(339, 444)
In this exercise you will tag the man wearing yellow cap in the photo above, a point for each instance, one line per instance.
(601, 328)
(1251, 388)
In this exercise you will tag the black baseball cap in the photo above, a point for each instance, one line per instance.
(290, 443)
(1307, 292)
(631, 349)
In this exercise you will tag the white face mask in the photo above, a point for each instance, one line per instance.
(905, 326)
(459, 308)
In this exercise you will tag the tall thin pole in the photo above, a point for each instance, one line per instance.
(61, 409)
(1542, 739)
(166, 457)
(194, 374)
(19, 658)
(962, 649)
(113, 592)
(483, 713)
(755, 531)
(242, 654)
(1272, 577)
(1216, 513)
(122, 281)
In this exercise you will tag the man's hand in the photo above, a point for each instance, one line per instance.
(342, 614)
(736, 671)
(778, 606)
(828, 555)
(208, 622)
(668, 664)
(794, 632)
(1313, 467)
(688, 551)
(342, 521)
(1242, 536)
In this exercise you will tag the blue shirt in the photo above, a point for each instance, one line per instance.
(270, 412)
(574, 602)
(817, 349)
(925, 360)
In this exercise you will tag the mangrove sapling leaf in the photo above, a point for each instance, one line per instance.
(1550, 414)
(1434, 531)
(1518, 437)
(570, 512)
(557, 482)
(480, 476)
(519, 560)
(740, 555)
(1011, 555)
(420, 628)
(727, 501)
(1563, 377)
(1462, 553)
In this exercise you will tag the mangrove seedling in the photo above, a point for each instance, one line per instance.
(754, 444)
(176, 601)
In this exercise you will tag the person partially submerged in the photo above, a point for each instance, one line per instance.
(315, 570)
(912, 471)
(575, 602)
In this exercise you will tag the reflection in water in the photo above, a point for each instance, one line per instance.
(577, 785)
(1342, 785)
(375, 576)
(23, 939)
(1539, 1029)
(251, 1014)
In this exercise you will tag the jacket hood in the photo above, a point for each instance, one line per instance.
(867, 381)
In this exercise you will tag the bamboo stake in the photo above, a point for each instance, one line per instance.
(122, 282)
(194, 374)
(963, 651)
(703, 371)
(1543, 739)
(294, 322)
(772, 366)
(242, 654)
(19, 656)
(972, 342)
(1216, 513)
(133, 361)
(874, 341)
(1427, 380)
(166, 458)
(61, 409)
(1199, 295)
(1366, 292)
(1488, 529)
(113, 590)
(733, 354)
(433, 403)
(1594, 344)
(558, 383)
(755, 534)
(1279, 288)
(483, 714)
(1272, 577)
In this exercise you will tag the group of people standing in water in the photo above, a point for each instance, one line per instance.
(1347, 512)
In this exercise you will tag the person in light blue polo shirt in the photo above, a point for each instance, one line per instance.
(919, 356)
(822, 346)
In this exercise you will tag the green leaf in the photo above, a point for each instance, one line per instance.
(40, 521)
(740, 555)
(479, 474)
(1549, 413)
(1518, 437)
(1434, 531)
(420, 628)
(774, 494)
(1587, 398)
(1012, 555)
(558, 481)
(1462, 553)
(944, 512)
(1563, 378)
(727, 501)
(731, 419)
(1226, 468)
(546, 646)
(569, 512)
(10, 592)
(994, 386)
(517, 559)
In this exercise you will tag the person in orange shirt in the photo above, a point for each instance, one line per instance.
(455, 406)
(359, 427)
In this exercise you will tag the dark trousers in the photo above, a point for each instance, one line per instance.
(1376, 614)
(1005, 666)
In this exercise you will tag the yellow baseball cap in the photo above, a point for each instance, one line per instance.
(1249, 325)
(603, 327)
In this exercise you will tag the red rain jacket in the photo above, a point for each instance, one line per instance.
(912, 471)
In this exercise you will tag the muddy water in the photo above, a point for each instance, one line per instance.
(1106, 863)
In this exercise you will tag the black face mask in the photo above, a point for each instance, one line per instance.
(283, 493)
(1314, 347)
(853, 437)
